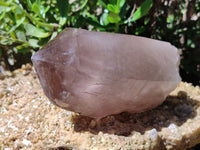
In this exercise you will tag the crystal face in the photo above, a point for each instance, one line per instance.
(97, 74)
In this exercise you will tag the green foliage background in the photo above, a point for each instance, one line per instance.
(27, 25)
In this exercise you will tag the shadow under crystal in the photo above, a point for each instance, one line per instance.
(175, 110)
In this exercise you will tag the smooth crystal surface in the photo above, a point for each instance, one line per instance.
(97, 74)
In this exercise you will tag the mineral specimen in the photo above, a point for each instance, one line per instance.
(97, 74)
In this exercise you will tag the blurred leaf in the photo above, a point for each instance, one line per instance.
(84, 4)
(104, 19)
(36, 32)
(38, 2)
(10, 15)
(141, 11)
(29, 4)
(36, 8)
(19, 22)
(92, 17)
(113, 8)
(53, 35)
(2, 15)
(46, 9)
(21, 36)
(39, 9)
(12, 34)
(120, 3)
(170, 18)
(62, 21)
(102, 4)
(146, 21)
(113, 18)
(0, 52)
(33, 42)
(139, 30)
(5, 3)
(123, 11)
(6, 41)
(18, 12)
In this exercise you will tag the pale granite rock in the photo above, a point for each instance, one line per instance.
(97, 74)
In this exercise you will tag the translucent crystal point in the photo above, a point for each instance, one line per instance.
(97, 74)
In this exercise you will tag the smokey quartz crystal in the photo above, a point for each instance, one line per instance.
(97, 74)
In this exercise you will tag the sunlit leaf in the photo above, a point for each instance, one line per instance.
(141, 11)
(92, 17)
(4, 3)
(83, 4)
(104, 19)
(12, 34)
(62, 21)
(46, 9)
(113, 18)
(36, 32)
(33, 42)
(36, 8)
(113, 8)
(53, 35)
(120, 3)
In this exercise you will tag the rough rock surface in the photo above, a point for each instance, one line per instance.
(99, 74)
(29, 121)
